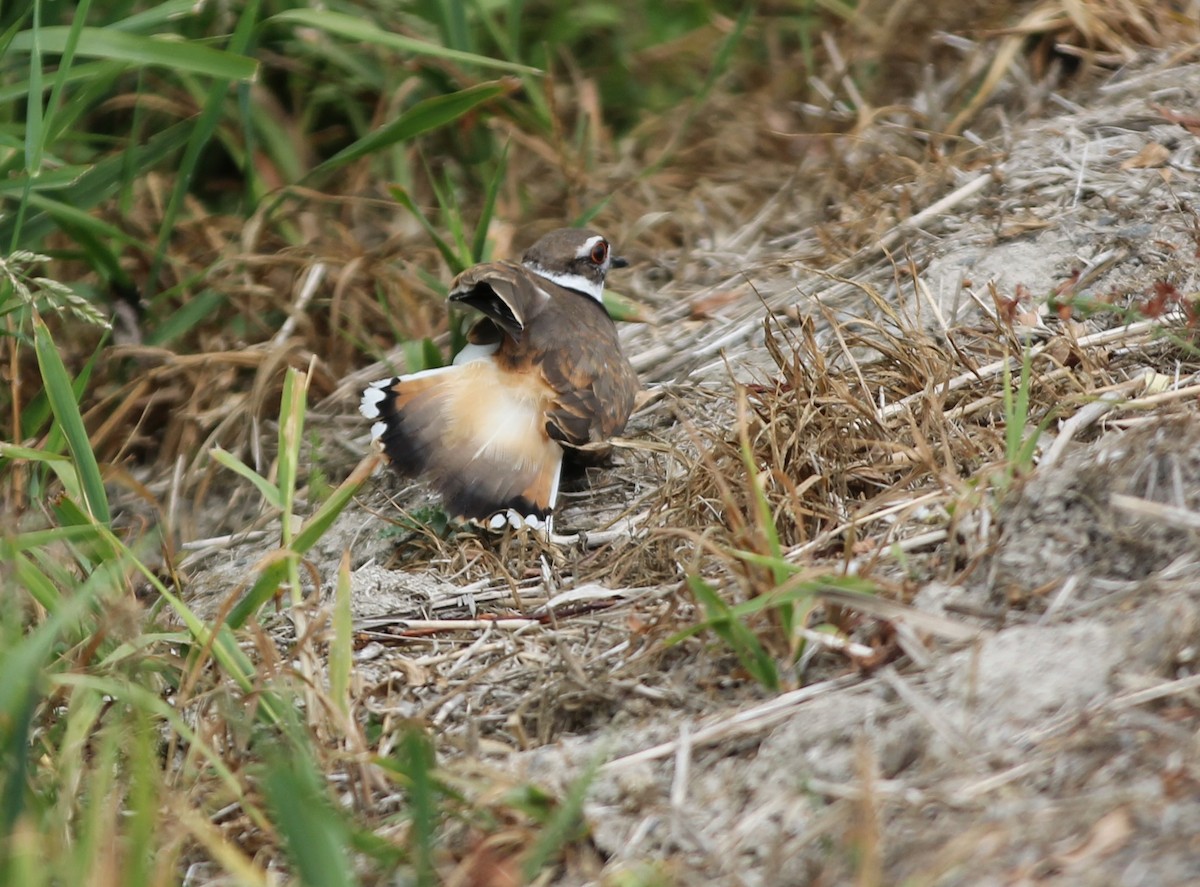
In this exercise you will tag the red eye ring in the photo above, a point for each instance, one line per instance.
(599, 253)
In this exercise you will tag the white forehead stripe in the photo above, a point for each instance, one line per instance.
(585, 251)
(577, 282)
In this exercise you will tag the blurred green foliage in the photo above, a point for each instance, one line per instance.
(234, 105)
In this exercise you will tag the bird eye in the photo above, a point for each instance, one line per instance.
(599, 253)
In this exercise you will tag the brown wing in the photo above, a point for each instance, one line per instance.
(502, 291)
(594, 384)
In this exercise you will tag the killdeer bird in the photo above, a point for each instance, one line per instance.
(542, 371)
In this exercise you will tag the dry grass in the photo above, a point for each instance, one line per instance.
(803, 358)
(870, 426)
(876, 453)
(818, 169)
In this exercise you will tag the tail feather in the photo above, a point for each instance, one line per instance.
(478, 439)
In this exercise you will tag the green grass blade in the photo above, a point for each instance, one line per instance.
(1022, 405)
(720, 64)
(33, 112)
(95, 825)
(291, 437)
(86, 755)
(795, 590)
(66, 410)
(89, 72)
(514, 11)
(315, 835)
(479, 242)
(37, 413)
(356, 28)
(453, 259)
(64, 71)
(23, 665)
(317, 525)
(142, 825)
(113, 553)
(65, 214)
(137, 50)
(416, 761)
(14, 452)
(159, 16)
(585, 218)
(341, 650)
(270, 492)
(225, 650)
(763, 518)
(1020, 444)
(421, 355)
(564, 825)
(190, 315)
(623, 309)
(66, 535)
(269, 579)
(450, 212)
(214, 106)
(452, 15)
(88, 549)
(313, 529)
(148, 701)
(93, 186)
(419, 119)
(58, 179)
(762, 508)
(776, 563)
(1011, 430)
(34, 581)
(736, 634)
(13, 29)
(83, 233)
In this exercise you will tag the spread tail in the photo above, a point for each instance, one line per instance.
(479, 440)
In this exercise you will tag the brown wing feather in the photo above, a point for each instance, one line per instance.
(594, 383)
(502, 291)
